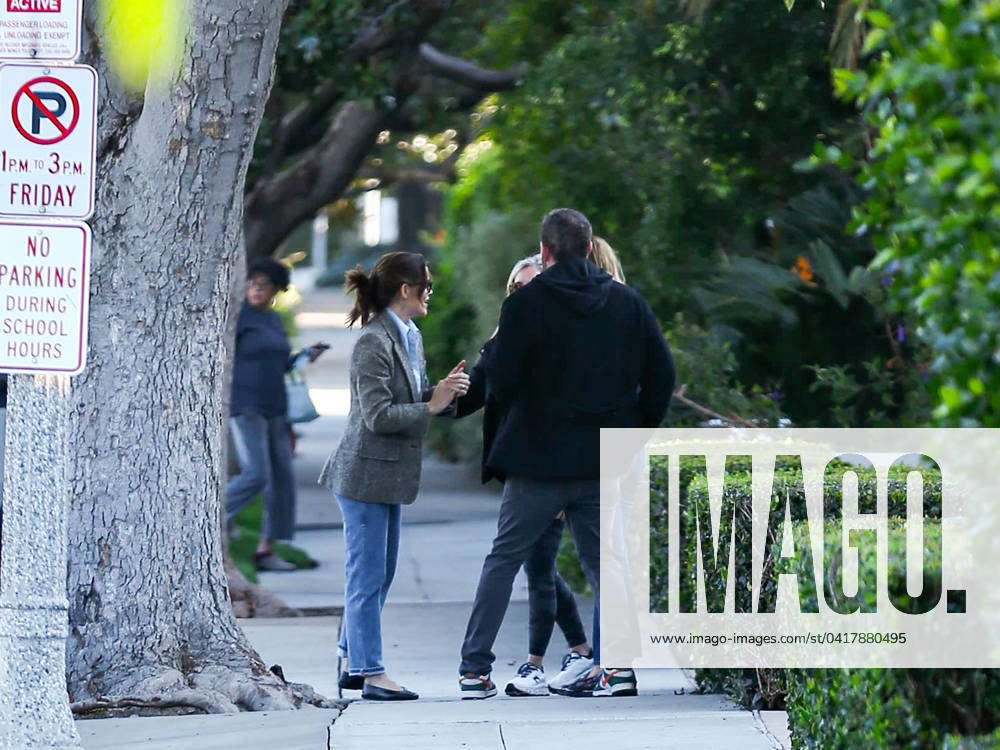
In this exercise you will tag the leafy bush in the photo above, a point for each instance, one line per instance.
(983, 742)
(568, 565)
(835, 709)
(787, 482)
(243, 546)
(447, 333)
(707, 371)
(894, 709)
(932, 95)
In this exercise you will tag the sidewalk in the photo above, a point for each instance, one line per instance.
(446, 535)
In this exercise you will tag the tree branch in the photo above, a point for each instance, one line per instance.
(299, 120)
(679, 394)
(275, 206)
(381, 33)
(467, 73)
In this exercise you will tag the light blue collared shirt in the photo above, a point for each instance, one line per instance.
(409, 332)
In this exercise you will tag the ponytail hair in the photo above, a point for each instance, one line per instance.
(374, 292)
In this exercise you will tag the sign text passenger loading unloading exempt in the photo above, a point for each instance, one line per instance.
(47, 132)
(40, 29)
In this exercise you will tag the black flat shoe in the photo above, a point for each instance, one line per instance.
(375, 693)
(350, 681)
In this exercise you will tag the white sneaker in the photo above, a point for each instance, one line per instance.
(574, 666)
(530, 680)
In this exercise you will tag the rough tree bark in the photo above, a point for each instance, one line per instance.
(150, 617)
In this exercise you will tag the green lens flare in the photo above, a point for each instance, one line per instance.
(143, 39)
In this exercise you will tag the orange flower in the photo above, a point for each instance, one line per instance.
(803, 269)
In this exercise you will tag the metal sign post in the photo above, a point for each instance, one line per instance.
(47, 142)
(33, 607)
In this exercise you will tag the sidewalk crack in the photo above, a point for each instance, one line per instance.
(503, 742)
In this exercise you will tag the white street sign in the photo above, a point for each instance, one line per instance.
(44, 297)
(40, 29)
(47, 140)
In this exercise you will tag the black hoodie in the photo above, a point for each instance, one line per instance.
(575, 351)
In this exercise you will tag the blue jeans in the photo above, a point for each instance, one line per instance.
(371, 538)
(264, 452)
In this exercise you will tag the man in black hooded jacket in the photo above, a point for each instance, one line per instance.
(575, 351)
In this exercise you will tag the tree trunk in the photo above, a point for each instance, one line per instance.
(150, 616)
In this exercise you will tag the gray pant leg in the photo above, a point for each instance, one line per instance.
(527, 510)
(583, 514)
(249, 433)
(279, 497)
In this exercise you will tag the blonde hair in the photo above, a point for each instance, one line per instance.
(604, 257)
(532, 260)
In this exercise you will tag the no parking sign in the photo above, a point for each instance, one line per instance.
(47, 140)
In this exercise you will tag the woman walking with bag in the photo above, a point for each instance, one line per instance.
(258, 411)
(376, 468)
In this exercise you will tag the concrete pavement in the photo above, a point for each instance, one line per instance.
(446, 534)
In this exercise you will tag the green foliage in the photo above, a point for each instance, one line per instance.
(244, 545)
(983, 742)
(318, 49)
(890, 709)
(447, 333)
(684, 158)
(889, 393)
(646, 123)
(708, 370)
(568, 565)
(932, 96)
(287, 304)
(787, 483)
(840, 709)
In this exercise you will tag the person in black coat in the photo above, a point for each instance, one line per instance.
(550, 599)
(574, 351)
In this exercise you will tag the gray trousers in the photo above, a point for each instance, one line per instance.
(527, 510)
(264, 452)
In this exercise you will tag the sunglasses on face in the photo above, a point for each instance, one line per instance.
(424, 287)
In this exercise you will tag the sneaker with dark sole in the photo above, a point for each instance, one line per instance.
(476, 687)
(530, 680)
(574, 666)
(616, 683)
(582, 688)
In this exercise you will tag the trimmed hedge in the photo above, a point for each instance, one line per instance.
(896, 709)
(787, 479)
(831, 709)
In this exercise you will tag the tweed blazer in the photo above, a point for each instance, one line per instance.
(378, 459)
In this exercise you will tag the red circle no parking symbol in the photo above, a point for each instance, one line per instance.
(45, 110)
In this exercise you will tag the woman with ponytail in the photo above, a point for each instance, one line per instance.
(376, 468)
